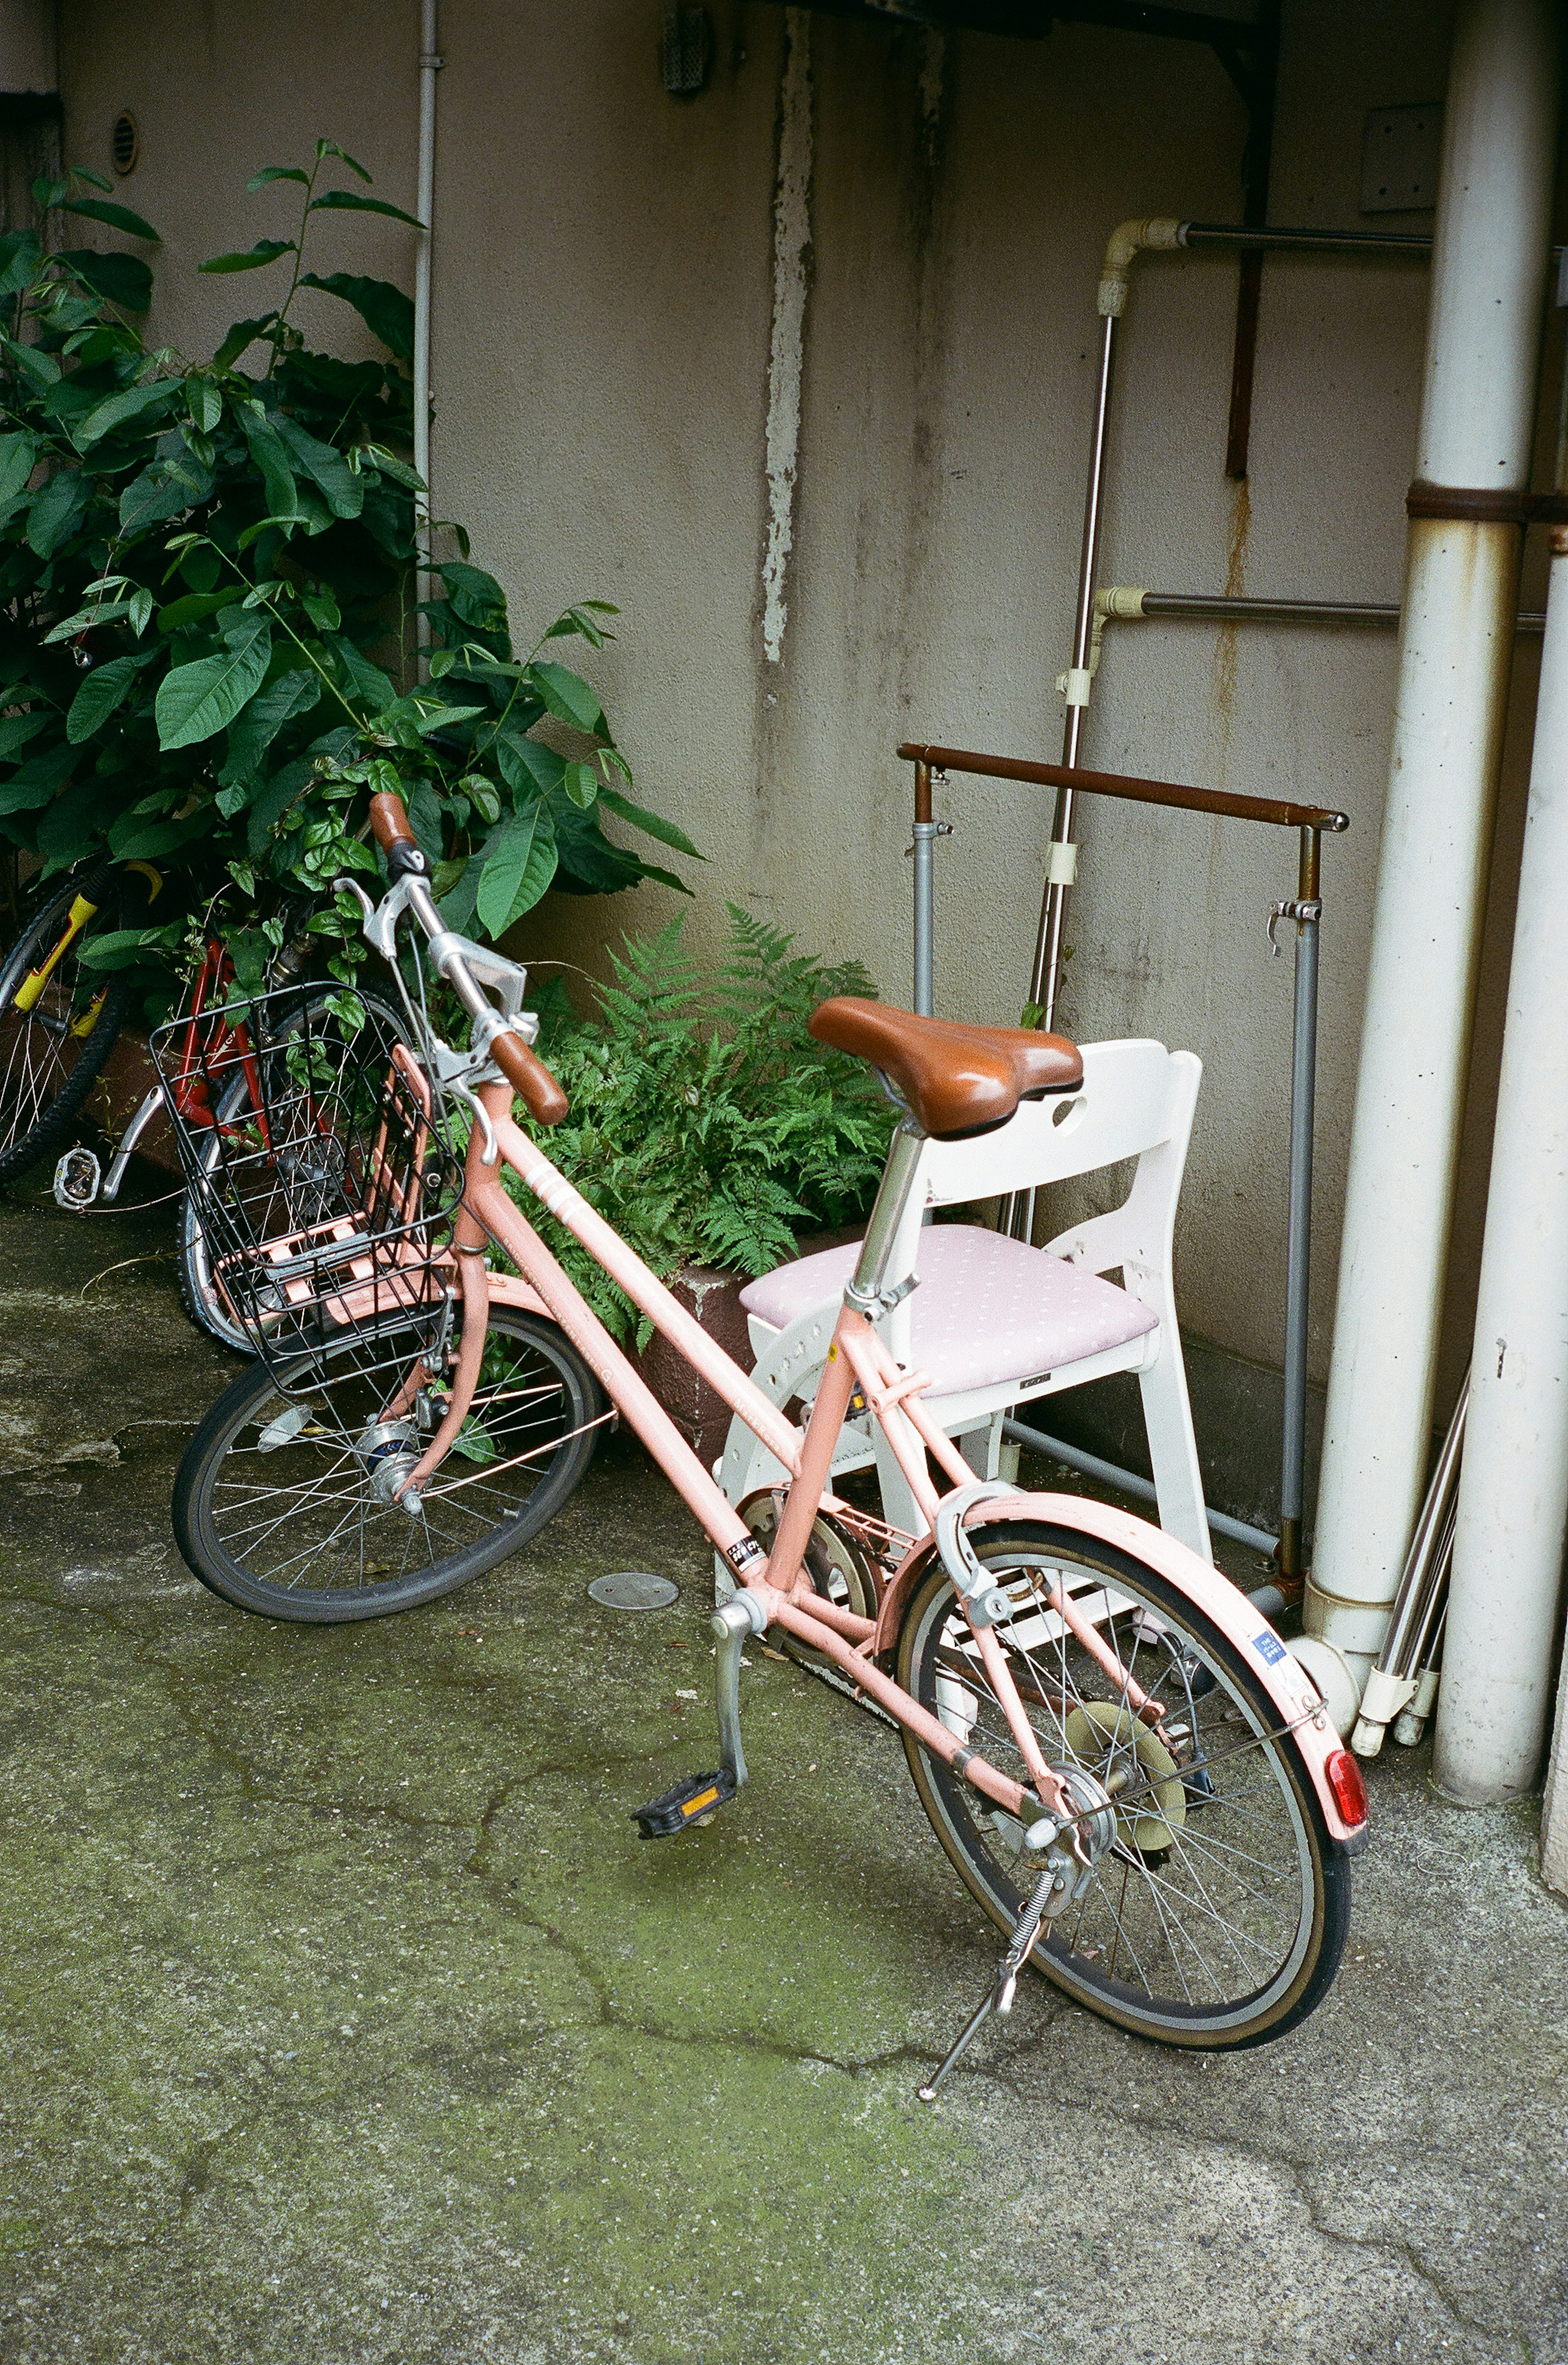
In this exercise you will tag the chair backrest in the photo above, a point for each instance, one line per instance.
(1136, 1099)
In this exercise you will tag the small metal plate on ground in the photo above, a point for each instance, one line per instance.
(634, 1588)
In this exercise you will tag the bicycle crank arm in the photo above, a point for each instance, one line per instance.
(128, 1141)
(691, 1802)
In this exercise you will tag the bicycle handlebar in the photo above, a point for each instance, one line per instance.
(522, 1067)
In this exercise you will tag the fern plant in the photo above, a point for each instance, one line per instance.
(706, 1125)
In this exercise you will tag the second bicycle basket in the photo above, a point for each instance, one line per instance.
(316, 1166)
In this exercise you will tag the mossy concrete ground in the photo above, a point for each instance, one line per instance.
(346, 2017)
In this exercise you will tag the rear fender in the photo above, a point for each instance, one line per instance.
(1286, 1682)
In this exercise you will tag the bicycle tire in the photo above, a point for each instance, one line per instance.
(322, 1494)
(1261, 1882)
(202, 1302)
(41, 1094)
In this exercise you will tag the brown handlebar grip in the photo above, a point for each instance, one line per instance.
(529, 1076)
(389, 821)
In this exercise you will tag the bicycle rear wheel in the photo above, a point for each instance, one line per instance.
(283, 1501)
(52, 1051)
(1216, 1916)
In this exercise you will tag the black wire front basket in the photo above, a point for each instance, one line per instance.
(317, 1167)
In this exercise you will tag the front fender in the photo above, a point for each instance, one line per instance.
(1286, 1682)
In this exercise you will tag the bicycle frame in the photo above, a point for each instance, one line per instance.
(777, 1581)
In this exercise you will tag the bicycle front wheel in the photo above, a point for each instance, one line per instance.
(1216, 1915)
(285, 1504)
(54, 1035)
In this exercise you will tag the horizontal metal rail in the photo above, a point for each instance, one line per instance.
(1218, 608)
(1275, 810)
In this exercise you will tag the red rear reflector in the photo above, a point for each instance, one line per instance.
(1349, 1790)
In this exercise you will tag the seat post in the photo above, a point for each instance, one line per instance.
(893, 1198)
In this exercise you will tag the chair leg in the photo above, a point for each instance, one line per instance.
(1172, 1448)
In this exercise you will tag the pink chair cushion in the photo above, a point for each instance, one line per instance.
(988, 1309)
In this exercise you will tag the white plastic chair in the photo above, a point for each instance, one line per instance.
(998, 1324)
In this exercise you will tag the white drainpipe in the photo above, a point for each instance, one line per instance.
(1513, 1492)
(424, 205)
(1489, 267)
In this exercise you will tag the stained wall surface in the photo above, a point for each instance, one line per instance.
(798, 373)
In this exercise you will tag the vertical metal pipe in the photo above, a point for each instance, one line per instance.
(924, 912)
(1046, 976)
(424, 207)
(1513, 1484)
(1298, 1235)
(1489, 262)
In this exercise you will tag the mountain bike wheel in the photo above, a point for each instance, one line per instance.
(203, 1301)
(51, 1054)
(283, 1501)
(1216, 1916)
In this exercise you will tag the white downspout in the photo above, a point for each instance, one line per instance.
(424, 205)
(1489, 265)
(1513, 1490)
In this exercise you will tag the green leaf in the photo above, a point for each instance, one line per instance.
(367, 682)
(520, 865)
(569, 699)
(191, 607)
(20, 260)
(53, 509)
(529, 769)
(270, 456)
(349, 201)
(325, 148)
(476, 598)
(149, 499)
(118, 409)
(122, 279)
(15, 730)
(386, 312)
(388, 465)
(345, 492)
(654, 824)
(38, 780)
(290, 694)
(243, 335)
(99, 695)
(195, 701)
(18, 457)
(115, 216)
(205, 404)
(581, 784)
(201, 566)
(276, 172)
(266, 249)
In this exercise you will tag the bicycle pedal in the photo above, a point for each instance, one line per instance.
(688, 1803)
(76, 1181)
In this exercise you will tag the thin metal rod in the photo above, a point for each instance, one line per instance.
(1323, 241)
(1298, 1232)
(924, 904)
(1416, 1585)
(1128, 1482)
(1220, 609)
(1046, 976)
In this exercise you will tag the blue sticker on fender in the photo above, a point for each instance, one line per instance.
(1270, 1649)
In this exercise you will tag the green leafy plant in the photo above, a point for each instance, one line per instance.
(208, 587)
(706, 1125)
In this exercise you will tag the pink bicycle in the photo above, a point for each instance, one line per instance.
(1131, 1774)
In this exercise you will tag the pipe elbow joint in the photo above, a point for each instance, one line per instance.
(1128, 239)
(1119, 599)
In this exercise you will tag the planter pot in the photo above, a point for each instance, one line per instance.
(698, 1412)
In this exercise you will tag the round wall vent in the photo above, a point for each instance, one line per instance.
(125, 142)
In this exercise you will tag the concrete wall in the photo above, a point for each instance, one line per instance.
(615, 298)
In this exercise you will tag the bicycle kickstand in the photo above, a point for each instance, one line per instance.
(1000, 2000)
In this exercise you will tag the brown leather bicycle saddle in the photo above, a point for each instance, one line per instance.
(956, 1079)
